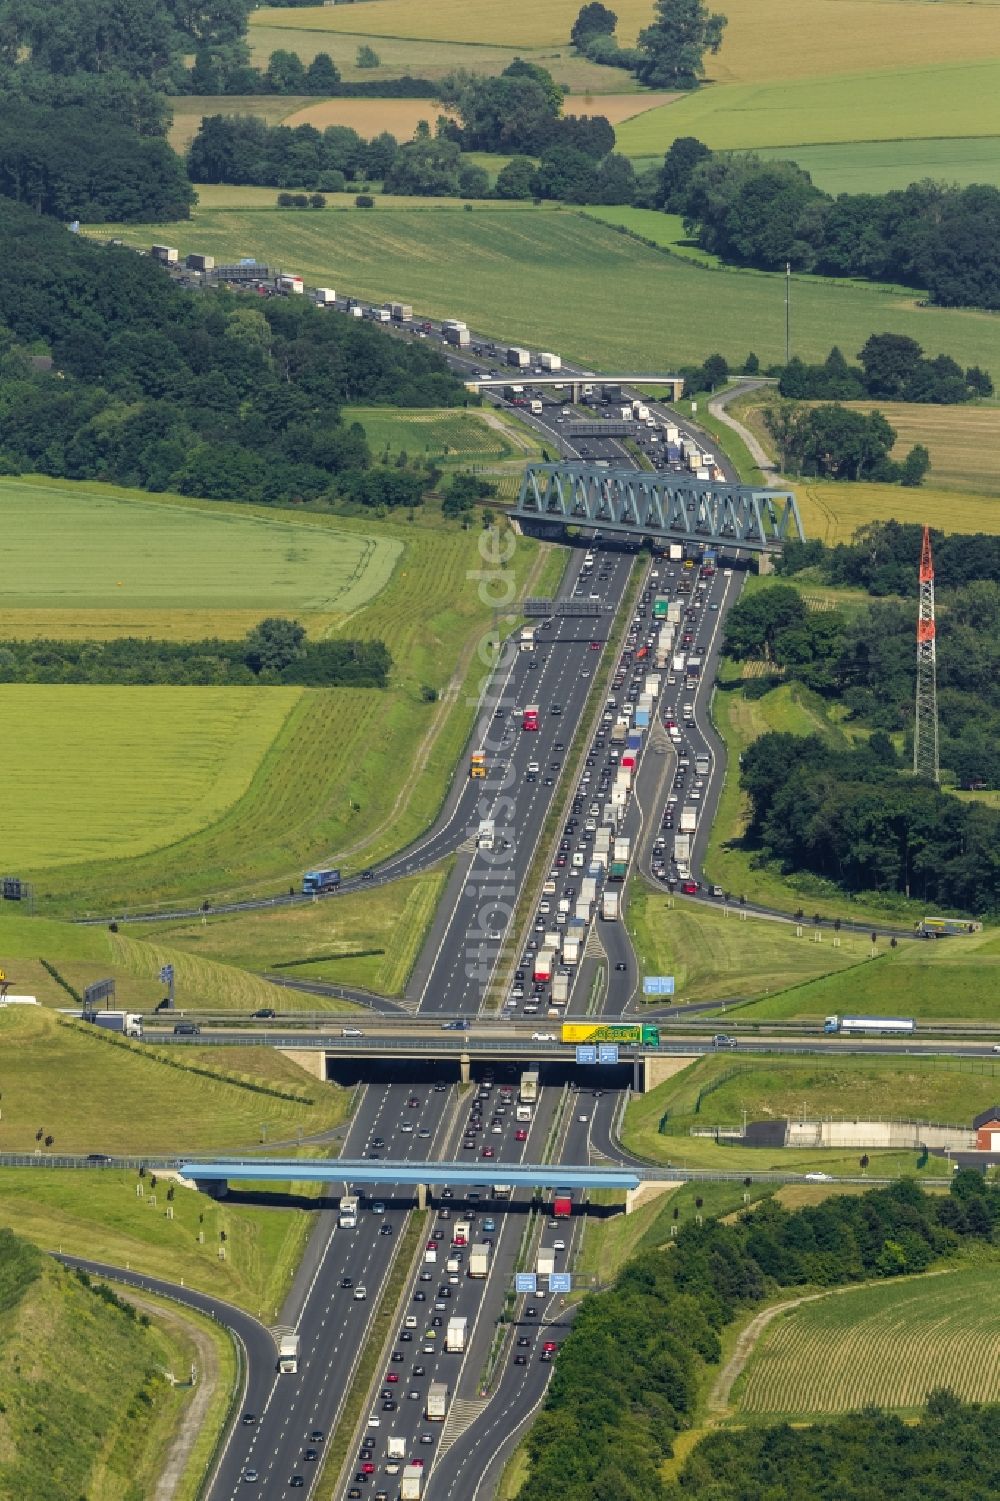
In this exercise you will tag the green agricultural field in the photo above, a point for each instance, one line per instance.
(962, 98)
(884, 1345)
(954, 980)
(115, 1096)
(713, 956)
(115, 550)
(364, 938)
(878, 166)
(98, 1214)
(330, 784)
(548, 270)
(148, 766)
(717, 1089)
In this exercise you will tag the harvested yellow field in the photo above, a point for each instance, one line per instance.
(162, 625)
(767, 40)
(189, 111)
(963, 441)
(833, 512)
(370, 117)
(518, 24)
(615, 107)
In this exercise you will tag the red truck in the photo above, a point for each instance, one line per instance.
(530, 718)
(562, 1204)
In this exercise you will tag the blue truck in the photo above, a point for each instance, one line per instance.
(314, 882)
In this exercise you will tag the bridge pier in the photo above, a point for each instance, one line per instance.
(215, 1188)
(465, 1068)
(421, 1195)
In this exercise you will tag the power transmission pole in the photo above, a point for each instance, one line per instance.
(925, 728)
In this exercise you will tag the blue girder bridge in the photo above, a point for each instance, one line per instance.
(411, 1174)
(636, 503)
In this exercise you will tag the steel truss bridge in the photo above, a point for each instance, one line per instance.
(636, 503)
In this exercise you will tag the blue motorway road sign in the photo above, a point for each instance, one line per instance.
(607, 1052)
(586, 1053)
(658, 985)
(525, 1282)
(560, 1282)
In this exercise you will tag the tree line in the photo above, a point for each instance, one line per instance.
(668, 54)
(838, 443)
(769, 214)
(846, 814)
(865, 661)
(222, 395)
(883, 557)
(892, 367)
(274, 652)
(629, 1373)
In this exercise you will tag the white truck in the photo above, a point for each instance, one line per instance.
(455, 1335)
(528, 1091)
(560, 989)
(678, 662)
(520, 358)
(640, 411)
(588, 889)
(479, 1260)
(546, 1262)
(437, 1402)
(676, 548)
(288, 1354)
(395, 1447)
(127, 1023)
(610, 906)
(571, 951)
(582, 910)
(674, 612)
(484, 839)
(527, 638)
(324, 296)
(623, 849)
(412, 1483)
(689, 819)
(682, 848)
(702, 763)
(550, 362)
(455, 332)
(535, 406)
(522, 1114)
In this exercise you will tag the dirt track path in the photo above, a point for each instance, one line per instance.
(718, 1400)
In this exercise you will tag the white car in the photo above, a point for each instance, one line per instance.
(818, 1178)
(543, 1037)
(558, 1245)
(583, 1119)
(351, 1032)
(360, 1294)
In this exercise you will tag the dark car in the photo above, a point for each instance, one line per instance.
(266, 1011)
(187, 1029)
(296, 1482)
(311, 1454)
(249, 1418)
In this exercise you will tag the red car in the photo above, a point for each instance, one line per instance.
(487, 1151)
(595, 646)
(520, 1134)
(550, 1345)
(368, 1468)
(392, 1376)
(689, 888)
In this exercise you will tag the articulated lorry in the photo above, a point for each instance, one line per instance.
(128, 1023)
(455, 1335)
(288, 1354)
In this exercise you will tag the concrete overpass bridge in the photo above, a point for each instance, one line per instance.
(575, 380)
(671, 507)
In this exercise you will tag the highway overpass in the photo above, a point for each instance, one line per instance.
(575, 380)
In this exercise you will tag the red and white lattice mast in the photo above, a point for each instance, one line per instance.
(925, 729)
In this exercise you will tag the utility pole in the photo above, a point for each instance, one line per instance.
(788, 314)
(925, 724)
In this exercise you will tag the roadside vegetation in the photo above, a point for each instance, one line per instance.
(714, 1092)
(80, 1364)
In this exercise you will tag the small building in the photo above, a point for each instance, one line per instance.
(987, 1129)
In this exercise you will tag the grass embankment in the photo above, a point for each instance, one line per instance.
(367, 938)
(77, 956)
(714, 956)
(453, 263)
(956, 980)
(350, 774)
(77, 1372)
(715, 1091)
(91, 1091)
(830, 1355)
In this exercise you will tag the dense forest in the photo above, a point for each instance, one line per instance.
(628, 1375)
(883, 558)
(849, 816)
(220, 395)
(763, 213)
(274, 652)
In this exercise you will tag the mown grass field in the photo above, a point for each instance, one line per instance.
(446, 436)
(111, 549)
(960, 96)
(365, 938)
(878, 166)
(505, 271)
(884, 1345)
(93, 1092)
(77, 1373)
(957, 979)
(716, 957)
(111, 772)
(97, 1214)
(715, 1091)
(80, 955)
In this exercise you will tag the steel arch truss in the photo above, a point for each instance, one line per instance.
(636, 503)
